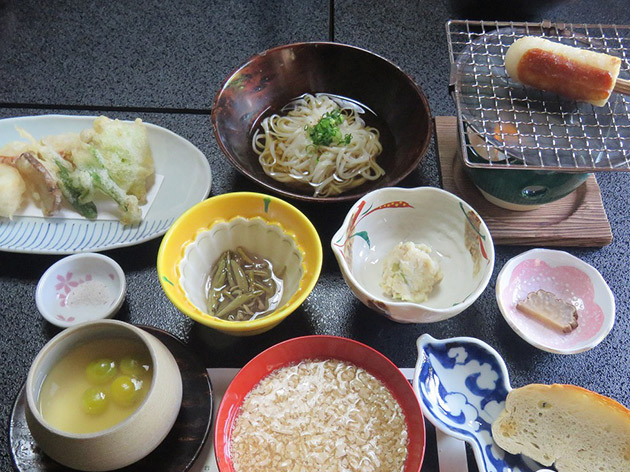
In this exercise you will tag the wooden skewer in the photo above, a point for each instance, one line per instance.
(622, 86)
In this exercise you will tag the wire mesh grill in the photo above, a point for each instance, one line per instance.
(503, 123)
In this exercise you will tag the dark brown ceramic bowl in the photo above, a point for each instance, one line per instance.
(270, 80)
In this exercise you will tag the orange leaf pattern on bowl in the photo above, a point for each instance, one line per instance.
(474, 239)
(357, 216)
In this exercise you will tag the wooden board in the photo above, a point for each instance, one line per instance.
(579, 219)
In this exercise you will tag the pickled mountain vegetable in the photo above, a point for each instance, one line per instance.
(242, 286)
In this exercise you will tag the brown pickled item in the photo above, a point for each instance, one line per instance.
(242, 286)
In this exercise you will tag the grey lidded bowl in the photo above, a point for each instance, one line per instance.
(126, 442)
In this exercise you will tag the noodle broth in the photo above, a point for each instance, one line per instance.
(384, 159)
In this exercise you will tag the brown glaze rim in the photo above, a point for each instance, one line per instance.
(347, 197)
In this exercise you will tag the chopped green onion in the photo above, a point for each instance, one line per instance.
(326, 132)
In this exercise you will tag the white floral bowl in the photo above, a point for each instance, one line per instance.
(570, 279)
(455, 232)
(79, 288)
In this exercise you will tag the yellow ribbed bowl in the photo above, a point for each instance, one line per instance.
(181, 255)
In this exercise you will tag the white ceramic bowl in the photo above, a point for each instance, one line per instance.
(82, 287)
(383, 218)
(572, 280)
(128, 441)
(256, 236)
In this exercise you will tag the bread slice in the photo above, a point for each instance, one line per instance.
(549, 309)
(575, 429)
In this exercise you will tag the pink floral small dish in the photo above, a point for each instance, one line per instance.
(82, 287)
(571, 280)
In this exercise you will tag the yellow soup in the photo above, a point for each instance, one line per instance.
(96, 385)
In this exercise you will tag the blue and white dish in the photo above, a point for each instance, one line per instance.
(462, 384)
(186, 180)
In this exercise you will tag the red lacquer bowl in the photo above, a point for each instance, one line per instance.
(319, 347)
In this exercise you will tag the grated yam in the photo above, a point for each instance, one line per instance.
(320, 416)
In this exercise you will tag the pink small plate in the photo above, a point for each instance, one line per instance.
(570, 279)
(81, 287)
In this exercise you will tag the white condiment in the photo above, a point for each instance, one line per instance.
(410, 272)
(91, 292)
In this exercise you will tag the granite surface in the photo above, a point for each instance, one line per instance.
(165, 60)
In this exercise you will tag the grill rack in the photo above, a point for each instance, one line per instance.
(504, 124)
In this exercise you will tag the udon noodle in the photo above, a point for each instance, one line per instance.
(288, 153)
